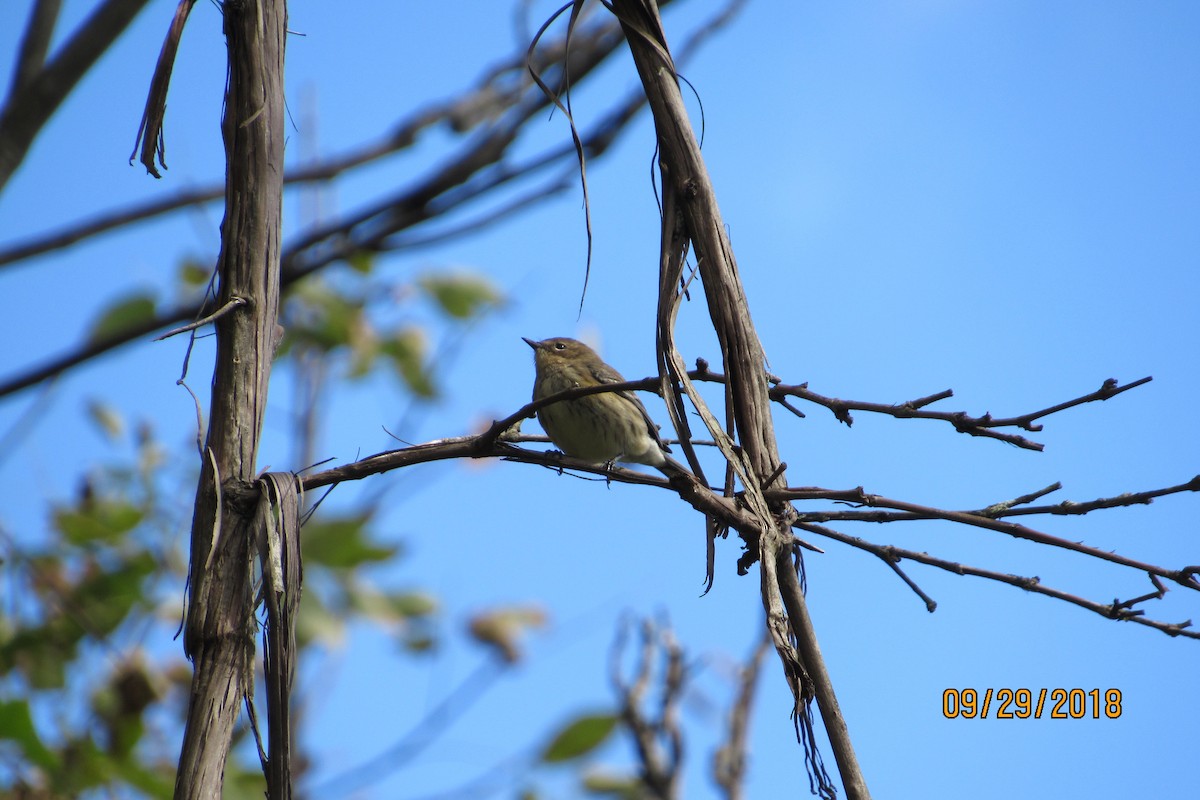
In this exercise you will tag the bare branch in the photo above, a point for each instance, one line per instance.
(1185, 577)
(106, 221)
(150, 130)
(962, 422)
(1117, 610)
(35, 44)
(472, 175)
(462, 180)
(996, 511)
(498, 442)
(39, 95)
(657, 737)
(233, 303)
(1110, 388)
(94, 347)
(463, 114)
(984, 426)
(729, 760)
(930, 603)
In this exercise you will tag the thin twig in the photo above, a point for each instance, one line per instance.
(894, 562)
(983, 426)
(729, 760)
(200, 323)
(657, 738)
(1116, 610)
(1184, 577)
(997, 511)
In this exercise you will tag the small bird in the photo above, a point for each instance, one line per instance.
(601, 428)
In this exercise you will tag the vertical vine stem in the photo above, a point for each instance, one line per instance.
(220, 626)
(691, 215)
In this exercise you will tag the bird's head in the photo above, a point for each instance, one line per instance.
(561, 350)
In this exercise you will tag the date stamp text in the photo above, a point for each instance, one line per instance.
(1031, 703)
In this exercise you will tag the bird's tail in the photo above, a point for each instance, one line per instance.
(671, 467)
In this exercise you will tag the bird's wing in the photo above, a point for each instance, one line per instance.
(606, 374)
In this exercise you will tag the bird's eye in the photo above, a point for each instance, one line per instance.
(559, 346)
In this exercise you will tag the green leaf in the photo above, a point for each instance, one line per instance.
(612, 785)
(17, 725)
(413, 604)
(419, 643)
(241, 783)
(107, 419)
(579, 737)
(85, 767)
(461, 295)
(194, 274)
(41, 654)
(104, 522)
(124, 734)
(129, 312)
(342, 544)
(316, 622)
(361, 261)
(320, 316)
(400, 607)
(364, 350)
(110, 595)
(406, 349)
(501, 628)
(409, 614)
(155, 782)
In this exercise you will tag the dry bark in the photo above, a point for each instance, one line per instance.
(219, 634)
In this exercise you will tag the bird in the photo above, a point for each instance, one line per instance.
(598, 428)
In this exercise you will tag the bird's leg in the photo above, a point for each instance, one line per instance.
(608, 468)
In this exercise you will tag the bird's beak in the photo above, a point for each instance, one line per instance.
(531, 343)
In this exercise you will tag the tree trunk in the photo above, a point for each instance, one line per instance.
(219, 636)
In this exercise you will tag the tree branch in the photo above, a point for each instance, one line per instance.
(729, 760)
(996, 511)
(1185, 577)
(35, 44)
(474, 109)
(984, 426)
(657, 737)
(500, 438)
(470, 176)
(39, 95)
(1116, 610)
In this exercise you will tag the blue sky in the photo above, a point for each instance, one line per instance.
(995, 198)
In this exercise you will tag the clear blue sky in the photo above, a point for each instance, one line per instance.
(999, 198)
